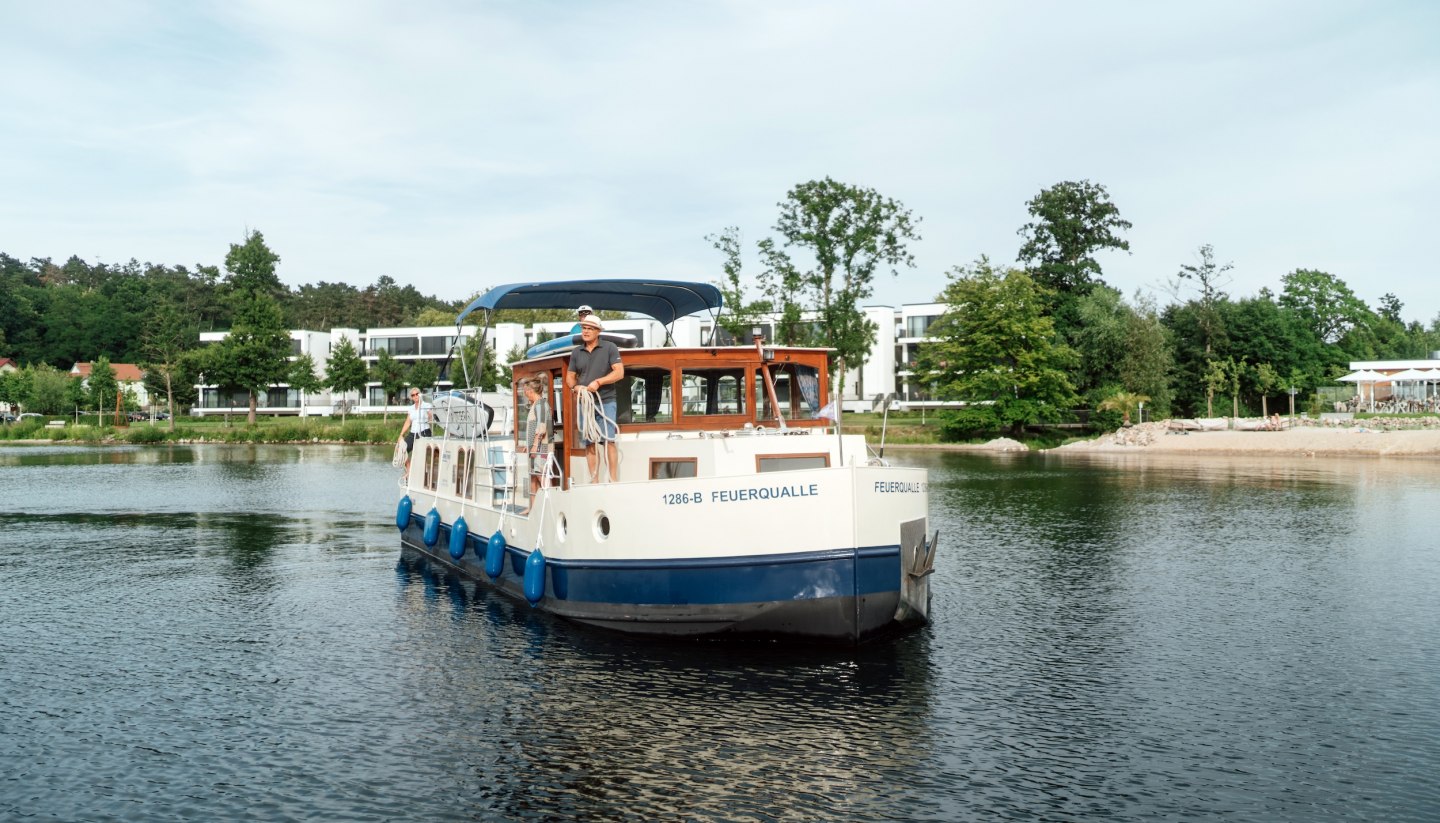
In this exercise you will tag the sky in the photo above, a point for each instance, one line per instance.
(460, 145)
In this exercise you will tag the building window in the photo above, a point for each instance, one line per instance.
(435, 345)
(919, 326)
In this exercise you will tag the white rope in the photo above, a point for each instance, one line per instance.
(590, 429)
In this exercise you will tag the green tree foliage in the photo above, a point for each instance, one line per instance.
(1100, 338)
(50, 390)
(1324, 301)
(1124, 402)
(423, 374)
(1073, 221)
(1146, 364)
(391, 374)
(255, 355)
(251, 267)
(102, 386)
(1208, 278)
(740, 315)
(166, 339)
(1216, 379)
(345, 373)
(1266, 379)
(464, 371)
(850, 233)
(304, 379)
(997, 347)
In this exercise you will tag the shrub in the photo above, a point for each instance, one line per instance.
(146, 434)
(971, 421)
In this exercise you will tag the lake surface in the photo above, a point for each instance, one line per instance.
(229, 632)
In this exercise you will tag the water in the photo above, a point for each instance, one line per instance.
(225, 633)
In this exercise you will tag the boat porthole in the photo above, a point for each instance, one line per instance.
(560, 527)
(602, 525)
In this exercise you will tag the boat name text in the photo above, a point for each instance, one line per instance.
(898, 487)
(744, 495)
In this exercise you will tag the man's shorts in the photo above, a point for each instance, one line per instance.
(607, 427)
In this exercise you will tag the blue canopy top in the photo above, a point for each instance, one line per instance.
(663, 300)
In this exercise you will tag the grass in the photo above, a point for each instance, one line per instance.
(217, 430)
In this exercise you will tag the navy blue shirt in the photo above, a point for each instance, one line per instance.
(590, 366)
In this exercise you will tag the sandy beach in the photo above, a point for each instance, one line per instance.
(1305, 441)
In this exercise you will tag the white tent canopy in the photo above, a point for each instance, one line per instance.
(1362, 376)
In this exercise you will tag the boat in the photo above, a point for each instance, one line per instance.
(740, 510)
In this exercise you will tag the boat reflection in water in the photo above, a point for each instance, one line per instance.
(593, 720)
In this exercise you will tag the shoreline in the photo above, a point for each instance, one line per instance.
(1301, 441)
(1141, 439)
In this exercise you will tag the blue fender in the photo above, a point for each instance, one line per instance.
(495, 555)
(458, 533)
(432, 527)
(402, 512)
(535, 577)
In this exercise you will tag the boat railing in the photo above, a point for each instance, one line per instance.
(485, 434)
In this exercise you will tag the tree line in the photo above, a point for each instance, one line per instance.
(53, 316)
(1031, 343)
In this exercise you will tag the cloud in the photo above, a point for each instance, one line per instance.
(455, 145)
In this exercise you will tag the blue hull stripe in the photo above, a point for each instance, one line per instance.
(711, 581)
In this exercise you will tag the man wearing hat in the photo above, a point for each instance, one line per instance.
(594, 368)
(580, 314)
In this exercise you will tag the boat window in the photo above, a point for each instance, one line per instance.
(668, 468)
(465, 473)
(644, 396)
(783, 387)
(712, 391)
(432, 468)
(790, 462)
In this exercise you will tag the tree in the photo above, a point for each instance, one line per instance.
(1234, 373)
(1390, 307)
(1100, 339)
(851, 232)
(167, 336)
(302, 378)
(345, 372)
(1073, 221)
(424, 374)
(740, 314)
(1215, 380)
(50, 390)
(1145, 365)
(1266, 379)
(1123, 402)
(252, 267)
(255, 355)
(390, 374)
(1327, 305)
(996, 346)
(102, 386)
(466, 373)
(1208, 278)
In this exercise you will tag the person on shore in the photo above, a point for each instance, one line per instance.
(417, 420)
(594, 369)
(539, 431)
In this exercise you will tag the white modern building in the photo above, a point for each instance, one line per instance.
(898, 334)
